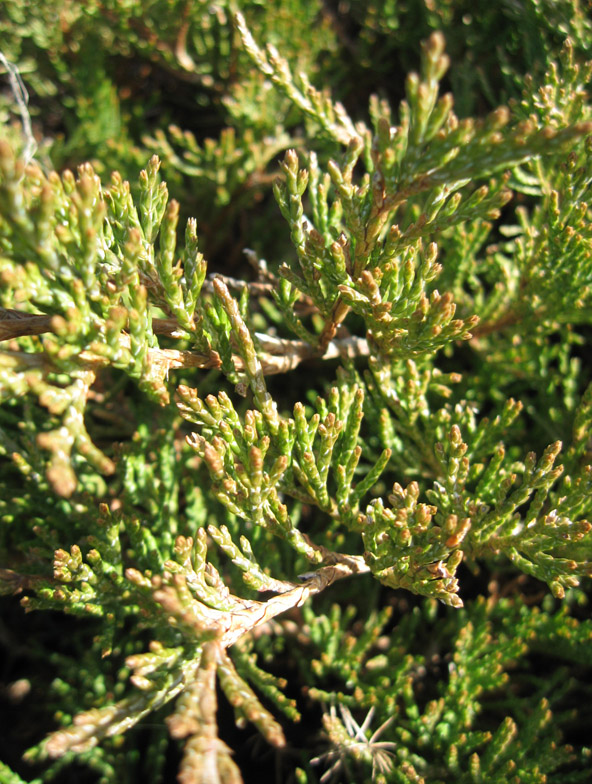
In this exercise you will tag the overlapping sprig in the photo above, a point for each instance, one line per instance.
(366, 213)
(361, 247)
(473, 726)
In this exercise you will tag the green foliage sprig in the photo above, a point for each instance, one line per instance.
(162, 483)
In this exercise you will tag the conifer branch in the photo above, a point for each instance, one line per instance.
(278, 355)
(431, 279)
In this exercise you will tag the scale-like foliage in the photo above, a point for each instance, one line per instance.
(431, 442)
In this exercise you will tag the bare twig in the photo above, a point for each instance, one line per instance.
(21, 97)
(278, 355)
(236, 624)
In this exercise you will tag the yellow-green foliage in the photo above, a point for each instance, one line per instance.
(292, 293)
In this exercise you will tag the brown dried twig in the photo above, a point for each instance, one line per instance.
(278, 355)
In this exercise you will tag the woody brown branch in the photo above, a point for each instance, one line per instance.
(258, 613)
(278, 355)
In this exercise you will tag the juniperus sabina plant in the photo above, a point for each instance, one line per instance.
(295, 422)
